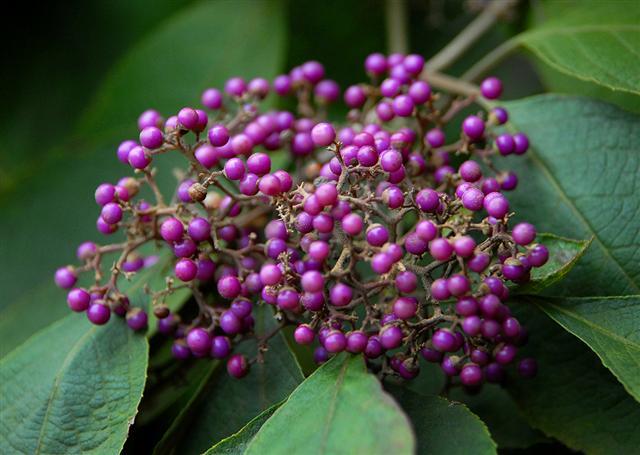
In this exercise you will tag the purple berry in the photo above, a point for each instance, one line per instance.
(304, 334)
(356, 342)
(491, 88)
(440, 289)
(473, 127)
(440, 249)
(151, 137)
(521, 143)
(352, 224)
(470, 171)
(180, 351)
(528, 368)
(323, 134)
(523, 233)
(505, 144)
(538, 255)
(444, 340)
(320, 355)
(137, 319)
(229, 287)
(230, 323)
(98, 313)
(171, 230)
(340, 295)
(78, 299)
(406, 282)
(405, 307)
(335, 341)
(211, 99)
(471, 375)
(186, 269)
(427, 200)
(377, 235)
(473, 199)
(391, 337)
(270, 274)
(65, 277)
(237, 366)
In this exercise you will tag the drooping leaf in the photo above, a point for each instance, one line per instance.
(442, 426)
(580, 181)
(163, 71)
(563, 255)
(610, 326)
(340, 408)
(593, 41)
(72, 388)
(574, 398)
(224, 404)
(237, 443)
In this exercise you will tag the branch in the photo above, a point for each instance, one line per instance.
(469, 35)
(397, 26)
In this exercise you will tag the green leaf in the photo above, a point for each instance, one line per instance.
(499, 412)
(225, 404)
(610, 326)
(582, 171)
(341, 408)
(442, 426)
(237, 443)
(493, 405)
(574, 398)
(563, 255)
(579, 181)
(164, 71)
(72, 388)
(595, 41)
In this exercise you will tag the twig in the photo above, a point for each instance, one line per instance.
(469, 35)
(397, 26)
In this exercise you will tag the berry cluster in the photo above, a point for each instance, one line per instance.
(388, 236)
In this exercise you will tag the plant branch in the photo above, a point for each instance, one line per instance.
(397, 26)
(469, 35)
(491, 60)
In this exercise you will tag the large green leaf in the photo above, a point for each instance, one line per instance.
(609, 325)
(72, 388)
(224, 404)
(443, 426)
(582, 171)
(574, 398)
(593, 41)
(340, 408)
(580, 181)
(164, 71)
(237, 443)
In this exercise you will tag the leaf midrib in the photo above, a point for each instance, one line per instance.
(73, 352)
(592, 325)
(332, 405)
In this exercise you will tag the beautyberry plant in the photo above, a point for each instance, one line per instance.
(387, 236)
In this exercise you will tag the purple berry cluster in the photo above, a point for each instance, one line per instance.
(388, 236)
